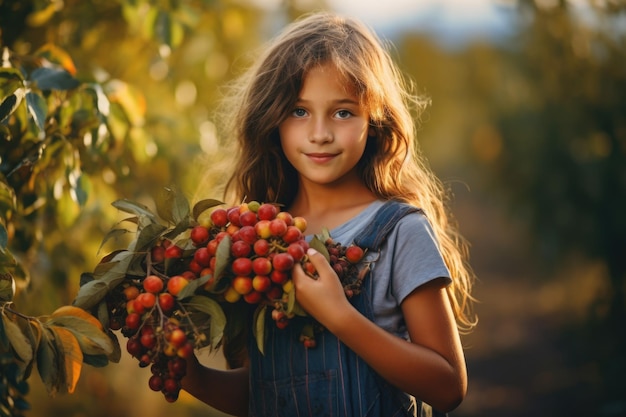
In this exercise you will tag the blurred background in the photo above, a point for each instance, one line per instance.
(527, 127)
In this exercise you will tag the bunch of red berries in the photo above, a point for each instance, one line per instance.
(242, 254)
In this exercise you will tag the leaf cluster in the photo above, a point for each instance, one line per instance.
(57, 345)
(56, 133)
(172, 222)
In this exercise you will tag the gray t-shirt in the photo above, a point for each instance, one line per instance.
(409, 258)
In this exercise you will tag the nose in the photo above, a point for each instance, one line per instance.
(321, 131)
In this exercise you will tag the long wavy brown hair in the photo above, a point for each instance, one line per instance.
(392, 166)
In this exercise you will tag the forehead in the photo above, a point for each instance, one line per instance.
(327, 78)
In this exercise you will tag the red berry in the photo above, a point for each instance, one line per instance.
(148, 340)
(177, 366)
(171, 385)
(261, 283)
(283, 261)
(296, 250)
(253, 297)
(261, 266)
(173, 251)
(242, 266)
(199, 235)
(166, 301)
(279, 277)
(134, 347)
(233, 216)
(155, 383)
(153, 284)
(354, 254)
(219, 217)
(278, 227)
(292, 234)
(261, 247)
(177, 337)
(248, 233)
(240, 249)
(248, 218)
(157, 254)
(202, 256)
(267, 211)
(133, 320)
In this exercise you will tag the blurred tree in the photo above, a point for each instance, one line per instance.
(561, 116)
(557, 148)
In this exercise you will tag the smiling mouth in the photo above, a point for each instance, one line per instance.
(320, 158)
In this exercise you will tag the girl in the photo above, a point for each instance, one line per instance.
(324, 127)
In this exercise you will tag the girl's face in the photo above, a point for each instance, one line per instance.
(325, 135)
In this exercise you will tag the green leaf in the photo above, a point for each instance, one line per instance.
(9, 73)
(90, 338)
(31, 329)
(20, 343)
(102, 101)
(81, 189)
(181, 209)
(114, 271)
(259, 327)
(193, 285)
(135, 208)
(213, 309)
(6, 288)
(179, 228)
(172, 205)
(8, 200)
(4, 237)
(38, 109)
(91, 293)
(12, 102)
(113, 234)
(222, 257)
(97, 361)
(318, 244)
(204, 205)
(53, 79)
(148, 236)
(168, 30)
(291, 299)
(117, 350)
(102, 314)
(9, 265)
(48, 362)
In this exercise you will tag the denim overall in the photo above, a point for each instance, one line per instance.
(330, 379)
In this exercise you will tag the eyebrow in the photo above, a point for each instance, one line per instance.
(338, 101)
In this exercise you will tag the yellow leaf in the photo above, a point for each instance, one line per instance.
(67, 346)
(77, 312)
(259, 328)
(54, 53)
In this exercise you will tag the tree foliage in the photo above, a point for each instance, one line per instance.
(563, 143)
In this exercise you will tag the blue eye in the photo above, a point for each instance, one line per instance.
(299, 113)
(343, 114)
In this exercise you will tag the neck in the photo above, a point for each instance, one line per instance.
(330, 205)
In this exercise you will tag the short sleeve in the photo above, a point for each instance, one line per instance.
(416, 258)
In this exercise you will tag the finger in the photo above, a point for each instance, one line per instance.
(297, 272)
(319, 261)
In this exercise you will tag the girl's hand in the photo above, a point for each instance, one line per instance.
(322, 298)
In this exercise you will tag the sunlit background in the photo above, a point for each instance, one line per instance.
(527, 128)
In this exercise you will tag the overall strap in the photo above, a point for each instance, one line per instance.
(375, 233)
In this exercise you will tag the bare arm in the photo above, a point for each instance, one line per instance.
(225, 390)
(431, 367)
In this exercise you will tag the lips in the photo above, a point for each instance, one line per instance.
(321, 158)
